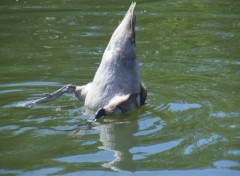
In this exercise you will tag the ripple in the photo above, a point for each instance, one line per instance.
(198, 172)
(234, 152)
(53, 37)
(9, 127)
(45, 132)
(182, 107)
(45, 171)
(24, 104)
(145, 151)
(221, 114)
(52, 18)
(10, 91)
(24, 130)
(226, 164)
(101, 156)
(92, 34)
(202, 143)
(38, 120)
(95, 27)
(148, 126)
(36, 83)
(55, 170)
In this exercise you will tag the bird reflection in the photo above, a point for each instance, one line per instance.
(118, 137)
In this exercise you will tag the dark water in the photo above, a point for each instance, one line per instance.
(190, 61)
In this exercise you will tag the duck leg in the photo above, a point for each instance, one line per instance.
(52, 96)
(79, 91)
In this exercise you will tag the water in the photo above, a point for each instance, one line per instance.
(189, 57)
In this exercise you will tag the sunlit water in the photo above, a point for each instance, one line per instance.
(190, 62)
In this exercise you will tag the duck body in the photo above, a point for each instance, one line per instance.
(116, 86)
(118, 77)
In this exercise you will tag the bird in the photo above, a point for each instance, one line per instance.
(116, 87)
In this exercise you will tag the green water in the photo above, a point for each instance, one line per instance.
(190, 61)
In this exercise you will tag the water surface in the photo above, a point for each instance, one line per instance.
(189, 57)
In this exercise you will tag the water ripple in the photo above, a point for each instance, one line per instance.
(148, 126)
(182, 107)
(141, 152)
(101, 156)
(203, 143)
(226, 164)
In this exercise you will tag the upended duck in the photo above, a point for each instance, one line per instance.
(116, 87)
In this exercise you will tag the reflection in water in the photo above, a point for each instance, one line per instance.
(118, 137)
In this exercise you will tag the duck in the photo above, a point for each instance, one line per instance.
(116, 86)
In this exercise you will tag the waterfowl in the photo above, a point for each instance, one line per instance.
(116, 86)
